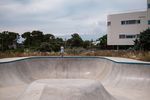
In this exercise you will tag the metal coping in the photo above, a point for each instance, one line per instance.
(88, 57)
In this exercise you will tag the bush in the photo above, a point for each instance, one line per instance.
(75, 51)
(45, 47)
(143, 42)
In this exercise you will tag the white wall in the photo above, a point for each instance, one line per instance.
(148, 12)
(116, 28)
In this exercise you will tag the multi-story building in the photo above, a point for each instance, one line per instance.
(124, 28)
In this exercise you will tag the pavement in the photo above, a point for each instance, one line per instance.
(97, 78)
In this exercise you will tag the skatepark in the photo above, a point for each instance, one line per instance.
(74, 78)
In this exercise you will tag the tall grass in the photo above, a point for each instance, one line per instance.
(139, 55)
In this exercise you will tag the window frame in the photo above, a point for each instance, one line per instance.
(130, 22)
(109, 23)
(123, 22)
(148, 22)
(122, 36)
(148, 5)
(130, 36)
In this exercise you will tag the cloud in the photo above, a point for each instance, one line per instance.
(61, 17)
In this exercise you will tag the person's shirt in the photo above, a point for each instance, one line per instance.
(62, 49)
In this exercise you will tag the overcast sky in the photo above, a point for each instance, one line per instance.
(62, 17)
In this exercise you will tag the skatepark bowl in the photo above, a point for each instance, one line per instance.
(74, 78)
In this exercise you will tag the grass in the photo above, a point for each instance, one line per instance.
(139, 55)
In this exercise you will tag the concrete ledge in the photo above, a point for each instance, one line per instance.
(3, 60)
(66, 89)
(113, 59)
(126, 60)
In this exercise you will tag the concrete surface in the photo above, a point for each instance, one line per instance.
(123, 80)
(66, 89)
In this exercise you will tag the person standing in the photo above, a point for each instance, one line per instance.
(62, 51)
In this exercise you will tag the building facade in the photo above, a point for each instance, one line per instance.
(124, 28)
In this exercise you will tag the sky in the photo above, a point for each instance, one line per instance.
(63, 17)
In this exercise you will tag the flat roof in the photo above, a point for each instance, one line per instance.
(127, 12)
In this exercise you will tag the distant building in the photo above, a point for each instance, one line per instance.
(124, 28)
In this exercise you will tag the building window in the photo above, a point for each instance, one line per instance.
(148, 6)
(122, 36)
(108, 23)
(148, 22)
(138, 21)
(132, 22)
(126, 22)
(122, 22)
(130, 36)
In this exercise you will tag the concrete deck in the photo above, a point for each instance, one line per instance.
(123, 79)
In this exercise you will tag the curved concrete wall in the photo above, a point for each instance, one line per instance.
(108, 72)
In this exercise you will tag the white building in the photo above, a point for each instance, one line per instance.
(122, 29)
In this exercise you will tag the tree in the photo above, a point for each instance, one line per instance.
(33, 39)
(87, 44)
(143, 42)
(48, 38)
(37, 38)
(28, 39)
(8, 40)
(75, 41)
(102, 42)
(58, 42)
(45, 47)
